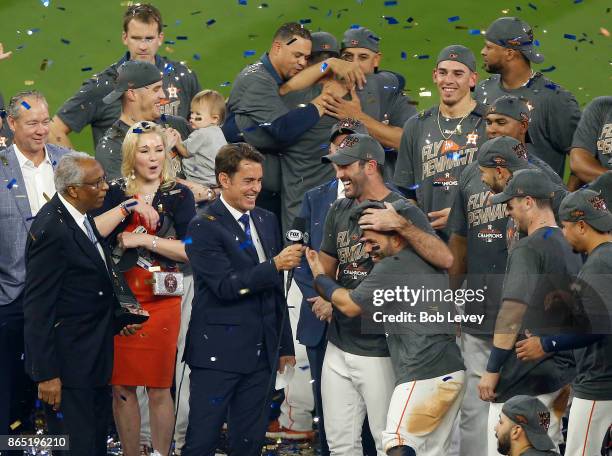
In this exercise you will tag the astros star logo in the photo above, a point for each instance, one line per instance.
(471, 139)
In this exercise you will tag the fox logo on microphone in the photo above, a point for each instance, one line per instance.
(297, 236)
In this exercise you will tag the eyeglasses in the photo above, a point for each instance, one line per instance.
(96, 185)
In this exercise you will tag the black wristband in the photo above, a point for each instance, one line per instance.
(497, 359)
(325, 286)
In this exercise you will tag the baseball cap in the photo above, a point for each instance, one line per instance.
(324, 42)
(588, 205)
(458, 53)
(402, 206)
(505, 152)
(603, 185)
(133, 75)
(356, 146)
(347, 125)
(513, 33)
(511, 106)
(526, 182)
(533, 416)
(360, 37)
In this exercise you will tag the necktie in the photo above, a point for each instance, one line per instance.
(244, 219)
(90, 232)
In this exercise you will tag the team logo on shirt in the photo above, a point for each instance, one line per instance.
(445, 181)
(173, 91)
(472, 138)
(490, 234)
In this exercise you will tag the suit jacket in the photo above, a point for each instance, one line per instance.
(315, 205)
(68, 302)
(239, 302)
(15, 221)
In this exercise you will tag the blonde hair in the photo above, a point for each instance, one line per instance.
(214, 102)
(128, 152)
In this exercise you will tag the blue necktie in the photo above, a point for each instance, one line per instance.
(90, 232)
(244, 219)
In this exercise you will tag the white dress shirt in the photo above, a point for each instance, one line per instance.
(79, 219)
(254, 236)
(37, 179)
(340, 189)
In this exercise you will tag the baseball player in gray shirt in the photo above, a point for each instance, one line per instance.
(508, 52)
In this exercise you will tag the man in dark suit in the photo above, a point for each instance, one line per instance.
(69, 303)
(239, 333)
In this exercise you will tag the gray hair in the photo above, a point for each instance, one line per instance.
(69, 171)
(15, 105)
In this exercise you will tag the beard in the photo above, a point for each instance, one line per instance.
(503, 444)
(493, 68)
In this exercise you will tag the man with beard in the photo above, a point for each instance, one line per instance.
(540, 264)
(522, 426)
(508, 52)
(142, 35)
(439, 143)
(351, 356)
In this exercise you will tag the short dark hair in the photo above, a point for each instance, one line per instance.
(290, 29)
(143, 12)
(544, 203)
(380, 168)
(229, 157)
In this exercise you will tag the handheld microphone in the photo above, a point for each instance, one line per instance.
(296, 235)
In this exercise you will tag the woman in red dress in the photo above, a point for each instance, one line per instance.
(139, 211)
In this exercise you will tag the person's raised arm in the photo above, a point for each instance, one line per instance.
(348, 71)
(58, 133)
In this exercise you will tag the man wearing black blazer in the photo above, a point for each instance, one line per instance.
(69, 303)
(239, 334)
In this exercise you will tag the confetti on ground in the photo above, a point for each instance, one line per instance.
(197, 57)
(65, 41)
(569, 36)
(426, 93)
(403, 55)
(453, 18)
(532, 6)
(474, 31)
(45, 3)
(86, 69)
(423, 57)
(182, 37)
(28, 82)
(391, 3)
(604, 32)
(242, 2)
(210, 22)
(225, 84)
(305, 21)
(391, 20)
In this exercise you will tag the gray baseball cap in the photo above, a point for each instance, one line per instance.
(133, 74)
(458, 53)
(402, 206)
(526, 182)
(505, 152)
(347, 126)
(533, 416)
(360, 37)
(511, 106)
(603, 185)
(356, 147)
(589, 206)
(324, 42)
(513, 33)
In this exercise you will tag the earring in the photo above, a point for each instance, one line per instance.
(132, 175)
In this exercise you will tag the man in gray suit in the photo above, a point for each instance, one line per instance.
(26, 178)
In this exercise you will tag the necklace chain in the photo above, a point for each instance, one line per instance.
(456, 130)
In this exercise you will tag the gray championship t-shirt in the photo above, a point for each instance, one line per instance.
(432, 157)
(484, 227)
(341, 240)
(203, 145)
(539, 265)
(108, 151)
(419, 350)
(594, 363)
(86, 107)
(554, 114)
(594, 132)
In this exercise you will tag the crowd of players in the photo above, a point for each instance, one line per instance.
(465, 195)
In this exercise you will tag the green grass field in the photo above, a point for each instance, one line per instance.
(80, 37)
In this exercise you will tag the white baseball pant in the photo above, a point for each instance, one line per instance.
(588, 423)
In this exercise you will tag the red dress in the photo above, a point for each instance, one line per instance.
(148, 357)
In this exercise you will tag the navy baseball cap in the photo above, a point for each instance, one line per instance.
(347, 126)
(513, 33)
(505, 152)
(458, 53)
(586, 205)
(526, 182)
(356, 147)
(533, 416)
(133, 74)
(360, 37)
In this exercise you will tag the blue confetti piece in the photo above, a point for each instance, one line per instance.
(423, 57)
(569, 36)
(305, 21)
(391, 3)
(182, 37)
(137, 130)
(532, 6)
(548, 69)
(225, 84)
(246, 244)
(474, 31)
(413, 187)
(169, 42)
(324, 66)
(37, 404)
(210, 22)
(304, 367)
(133, 203)
(548, 233)
(25, 104)
(355, 26)
(2, 114)
(242, 2)
(168, 68)
(446, 378)
(518, 8)
(45, 3)
(551, 86)
(403, 55)
(86, 69)
(59, 415)
(577, 1)
(453, 18)
(164, 118)
(20, 47)
(187, 241)
(536, 43)
(197, 57)
(329, 13)
(248, 53)
(53, 163)
(323, 146)
(391, 20)
(65, 41)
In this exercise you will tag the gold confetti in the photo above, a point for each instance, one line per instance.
(169, 49)
(28, 82)
(44, 64)
(425, 94)
(15, 425)
(604, 32)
